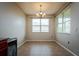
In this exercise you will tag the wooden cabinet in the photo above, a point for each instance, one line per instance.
(3, 47)
(8, 47)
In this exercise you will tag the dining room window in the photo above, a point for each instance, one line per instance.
(64, 21)
(40, 25)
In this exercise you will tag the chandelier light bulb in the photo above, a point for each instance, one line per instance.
(40, 14)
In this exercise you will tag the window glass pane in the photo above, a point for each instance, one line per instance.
(67, 27)
(35, 21)
(44, 29)
(59, 27)
(64, 27)
(66, 24)
(36, 24)
(44, 21)
(67, 15)
(60, 18)
(35, 28)
(64, 21)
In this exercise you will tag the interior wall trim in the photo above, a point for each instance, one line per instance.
(21, 44)
(63, 7)
(34, 41)
(39, 40)
(66, 49)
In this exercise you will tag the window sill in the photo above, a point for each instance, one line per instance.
(64, 33)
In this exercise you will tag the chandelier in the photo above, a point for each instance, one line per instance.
(40, 14)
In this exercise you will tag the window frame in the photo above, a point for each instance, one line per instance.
(62, 13)
(59, 23)
(40, 25)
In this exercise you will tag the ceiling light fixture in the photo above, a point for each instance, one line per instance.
(40, 14)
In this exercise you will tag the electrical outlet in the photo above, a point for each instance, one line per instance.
(68, 42)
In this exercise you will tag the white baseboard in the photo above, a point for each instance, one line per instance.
(66, 49)
(21, 44)
(39, 40)
(34, 41)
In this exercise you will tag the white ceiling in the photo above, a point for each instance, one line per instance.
(31, 8)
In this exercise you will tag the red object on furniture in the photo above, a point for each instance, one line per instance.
(3, 47)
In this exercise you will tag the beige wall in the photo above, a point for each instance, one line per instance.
(40, 36)
(73, 37)
(12, 22)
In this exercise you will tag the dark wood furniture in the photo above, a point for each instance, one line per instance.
(8, 47)
(3, 47)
